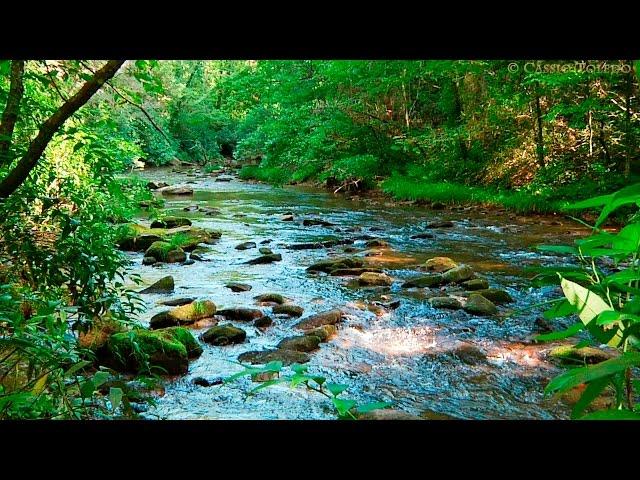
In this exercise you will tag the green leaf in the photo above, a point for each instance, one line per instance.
(611, 316)
(590, 203)
(589, 395)
(87, 388)
(78, 366)
(560, 309)
(368, 407)
(630, 194)
(266, 384)
(336, 388)
(343, 406)
(99, 378)
(299, 368)
(558, 249)
(115, 397)
(576, 376)
(612, 415)
(569, 332)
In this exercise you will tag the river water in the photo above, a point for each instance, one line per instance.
(404, 356)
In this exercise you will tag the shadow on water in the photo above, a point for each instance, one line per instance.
(409, 356)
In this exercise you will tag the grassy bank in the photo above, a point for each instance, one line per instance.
(406, 188)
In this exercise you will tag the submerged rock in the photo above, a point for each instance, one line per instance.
(241, 314)
(164, 285)
(330, 317)
(420, 236)
(290, 310)
(302, 343)
(149, 260)
(458, 274)
(263, 322)
(374, 279)
(327, 266)
(496, 295)
(445, 302)
(274, 257)
(246, 246)
(310, 222)
(166, 351)
(203, 382)
(225, 334)
(479, 305)
(440, 224)
(345, 272)
(470, 354)
(238, 287)
(287, 357)
(426, 281)
(476, 284)
(376, 243)
(439, 264)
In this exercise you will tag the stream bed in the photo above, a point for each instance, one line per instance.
(405, 355)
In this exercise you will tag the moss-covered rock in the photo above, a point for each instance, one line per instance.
(241, 314)
(246, 246)
(289, 310)
(439, 264)
(263, 322)
(183, 315)
(302, 343)
(346, 272)
(164, 285)
(376, 243)
(171, 222)
(479, 305)
(324, 332)
(368, 279)
(445, 302)
(330, 317)
(458, 274)
(225, 334)
(160, 250)
(178, 256)
(238, 287)
(287, 357)
(270, 298)
(135, 238)
(426, 281)
(476, 284)
(265, 251)
(571, 354)
(496, 295)
(160, 351)
(327, 266)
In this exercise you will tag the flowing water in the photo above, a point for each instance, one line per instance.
(405, 355)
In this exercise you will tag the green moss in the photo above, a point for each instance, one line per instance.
(271, 297)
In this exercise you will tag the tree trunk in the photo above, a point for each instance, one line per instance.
(539, 132)
(628, 130)
(11, 110)
(36, 148)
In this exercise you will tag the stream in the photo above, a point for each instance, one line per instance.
(403, 355)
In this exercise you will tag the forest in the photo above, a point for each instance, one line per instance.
(319, 239)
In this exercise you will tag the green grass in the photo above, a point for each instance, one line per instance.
(404, 188)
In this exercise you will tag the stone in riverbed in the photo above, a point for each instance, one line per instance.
(265, 251)
(176, 190)
(440, 224)
(156, 185)
(203, 382)
(161, 250)
(287, 357)
(309, 222)
(183, 315)
(270, 298)
(479, 305)
(263, 322)
(289, 310)
(329, 265)
(177, 302)
(241, 314)
(387, 414)
(171, 222)
(496, 295)
(164, 285)
(470, 354)
(178, 256)
(346, 272)
(426, 281)
(225, 334)
(571, 354)
(149, 261)
(439, 264)
(274, 257)
(238, 287)
(324, 332)
(246, 246)
(330, 317)
(302, 343)
(445, 302)
(458, 274)
(376, 243)
(476, 284)
(420, 236)
(374, 279)
(287, 218)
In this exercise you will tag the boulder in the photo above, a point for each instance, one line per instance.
(149, 261)
(310, 222)
(176, 302)
(374, 279)
(225, 334)
(376, 243)
(270, 298)
(345, 272)
(178, 256)
(571, 354)
(302, 343)
(156, 185)
(479, 305)
(287, 357)
(445, 302)
(246, 246)
(238, 287)
(458, 274)
(176, 190)
(171, 222)
(440, 224)
(263, 322)
(164, 285)
(426, 281)
(265, 251)
(160, 251)
(476, 284)
(496, 295)
(183, 315)
(330, 317)
(241, 314)
(470, 354)
(324, 332)
(289, 310)
(329, 265)
(287, 218)
(166, 351)
(274, 257)
(439, 264)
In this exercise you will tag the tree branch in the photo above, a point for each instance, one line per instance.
(11, 110)
(36, 148)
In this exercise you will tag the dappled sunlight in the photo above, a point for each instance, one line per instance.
(390, 341)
